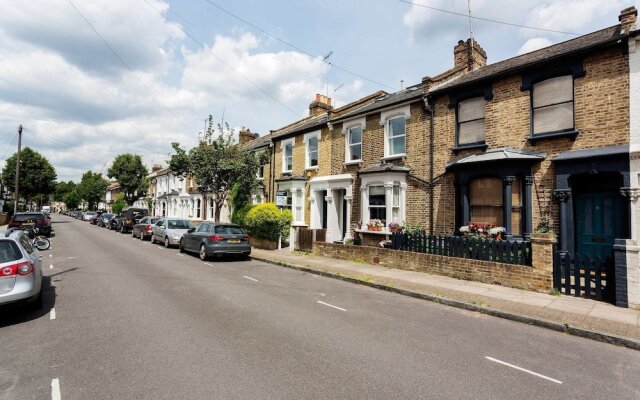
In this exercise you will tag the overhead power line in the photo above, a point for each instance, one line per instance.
(293, 46)
(252, 83)
(9, 147)
(487, 19)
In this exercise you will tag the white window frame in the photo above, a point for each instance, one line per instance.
(259, 154)
(307, 160)
(283, 146)
(297, 202)
(346, 130)
(389, 181)
(385, 118)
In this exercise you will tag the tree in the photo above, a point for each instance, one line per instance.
(131, 174)
(216, 165)
(72, 200)
(119, 204)
(37, 175)
(62, 189)
(92, 188)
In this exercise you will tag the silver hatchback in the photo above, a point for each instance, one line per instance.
(20, 270)
(169, 231)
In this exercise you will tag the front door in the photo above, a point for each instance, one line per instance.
(598, 223)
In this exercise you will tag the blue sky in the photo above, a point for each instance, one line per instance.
(81, 104)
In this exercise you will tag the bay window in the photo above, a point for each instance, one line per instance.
(383, 196)
(377, 203)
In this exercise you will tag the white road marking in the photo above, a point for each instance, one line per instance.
(69, 258)
(55, 389)
(50, 255)
(523, 370)
(211, 265)
(251, 279)
(53, 284)
(50, 266)
(52, 313)
(332, 306)
(181, 255)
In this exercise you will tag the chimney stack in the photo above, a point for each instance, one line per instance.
(469, 54)
(245, 136)
(156, 167)
(627, 19)
(320, 105)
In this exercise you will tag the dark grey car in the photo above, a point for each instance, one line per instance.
(209, 239)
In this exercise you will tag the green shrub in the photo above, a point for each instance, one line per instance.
(266, 221)
(238, 215)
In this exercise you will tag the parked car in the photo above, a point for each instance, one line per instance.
(130, 216)
(95, 218)
(25, 220)
(88, 215)
(215, 239)
(144, 228)
(20, 270)
(104, 219)
(170, 230)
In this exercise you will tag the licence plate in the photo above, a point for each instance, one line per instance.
(28, 224)
(233, 241)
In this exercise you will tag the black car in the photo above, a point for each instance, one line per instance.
(104, 219)
(24, 220)
(129, 217)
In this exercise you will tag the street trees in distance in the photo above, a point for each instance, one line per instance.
(37, 175)
(62, 189)
(119, 204)
(216, 164)
(131, 174)
(72, 199)
(92, 188)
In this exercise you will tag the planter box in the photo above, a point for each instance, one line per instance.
(264, 244)
(4, 218)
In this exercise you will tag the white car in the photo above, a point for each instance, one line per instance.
(20, 270)
(169, 231)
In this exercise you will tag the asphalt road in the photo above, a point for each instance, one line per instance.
(136, 321)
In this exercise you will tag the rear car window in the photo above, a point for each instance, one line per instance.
(9, 251)
(153, 220)
(230, 230)
(179, 224)
(27, 217)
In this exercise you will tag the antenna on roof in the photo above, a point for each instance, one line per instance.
(470, 24)
(324, 59)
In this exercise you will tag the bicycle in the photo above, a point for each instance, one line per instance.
(40, 242)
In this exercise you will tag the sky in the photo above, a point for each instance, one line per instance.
(89, 80)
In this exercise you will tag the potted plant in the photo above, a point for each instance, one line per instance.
(496, 232)
(395, 226)
(377, 224)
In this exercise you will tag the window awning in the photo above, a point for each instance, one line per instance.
(501, 155)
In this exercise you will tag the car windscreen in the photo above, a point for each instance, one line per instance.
(179, 224)
(153, 220)
(9, 251)
(27, 217)
(229, 230)
(107, 216)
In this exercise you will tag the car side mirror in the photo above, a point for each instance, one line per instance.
(191, 230)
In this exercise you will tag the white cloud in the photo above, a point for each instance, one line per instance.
(534, 44)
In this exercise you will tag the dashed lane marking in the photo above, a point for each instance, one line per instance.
(55, 389)
(50, 266)
(250, 278)
(523, 370)
(331, 305)
(211, 265)
(52, 313)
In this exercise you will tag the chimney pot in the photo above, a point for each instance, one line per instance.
(320, 105)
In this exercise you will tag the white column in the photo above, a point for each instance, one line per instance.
(403, 203)
(316, 216)
(364, 205)
(333, 226)
(347, 232)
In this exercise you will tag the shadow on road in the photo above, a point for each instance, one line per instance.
(14, 314)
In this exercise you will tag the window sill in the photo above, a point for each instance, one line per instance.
(354, 162)
(386, 233)
(553, 135)
(314, 168)
(394, 157)
(479, 146)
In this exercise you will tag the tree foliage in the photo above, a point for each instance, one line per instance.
(92, 188)
(216, 165)
(131, 174)
(62, 189)
(119, 204)
(72, 200)
(37, 175)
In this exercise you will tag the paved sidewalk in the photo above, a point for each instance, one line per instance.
(589, 318)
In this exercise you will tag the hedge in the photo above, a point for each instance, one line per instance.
(267, 221)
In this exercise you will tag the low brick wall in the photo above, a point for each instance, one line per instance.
(536, 278)
(264, 244)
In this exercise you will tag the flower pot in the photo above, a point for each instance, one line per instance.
(499, 236)
(370, 227)
(378, 228)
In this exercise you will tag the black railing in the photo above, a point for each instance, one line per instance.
(583, 276)
(502, 251)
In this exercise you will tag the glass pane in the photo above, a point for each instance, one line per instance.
(376, 196)
(288, 150)
(553, 91)
(396, 126)
(486, 215)
(289, 162)
(298, 213)
(396, 195)
(553, 118)
(313, 158)
(9, 251)
(356, 151)
(396, 145)
(355, 135)
(471, 132)
(516, 193)
(313, 144)
(396, 214)
(516, 221)
(471, 109)
(378, 213)
(486, 192)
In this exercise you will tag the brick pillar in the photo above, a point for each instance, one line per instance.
(542, 254)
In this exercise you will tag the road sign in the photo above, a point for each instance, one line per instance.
(281, 198)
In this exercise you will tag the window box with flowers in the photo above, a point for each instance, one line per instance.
(375, 225)
(482, 231)
(395, 226)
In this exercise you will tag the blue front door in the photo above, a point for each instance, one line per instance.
(598, 223)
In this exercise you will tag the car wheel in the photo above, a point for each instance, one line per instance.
(203, 253)
(133, 235)
(180, 247)
(141, 235)
(166, 242)
(153, 239)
